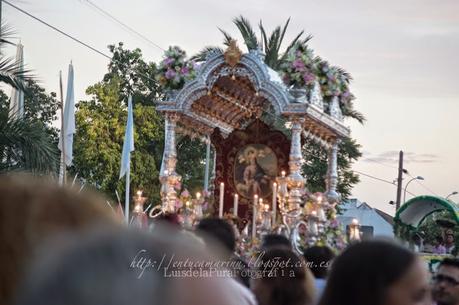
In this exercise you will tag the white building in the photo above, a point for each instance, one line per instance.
(373, 222)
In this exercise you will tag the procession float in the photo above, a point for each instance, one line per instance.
(256, 119)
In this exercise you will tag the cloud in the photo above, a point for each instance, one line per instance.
(390, 157)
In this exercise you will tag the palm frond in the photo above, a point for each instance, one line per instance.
(350, 112)
(249, 36)
(264, 37)
(6, 34)
(25, 145)
(283, 34)
(272, 51)
(347, 75)
(13, 74)
(290, 46)
(227, 36)
(201, 55)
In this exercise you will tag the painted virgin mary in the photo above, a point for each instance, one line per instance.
(253, 178)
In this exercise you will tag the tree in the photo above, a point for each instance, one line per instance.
(30, 143)
(99, 140)
(25, 143)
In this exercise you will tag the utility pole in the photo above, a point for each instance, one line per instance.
(399, 181)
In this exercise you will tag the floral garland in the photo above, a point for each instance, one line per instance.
(299, 68)
(174, 70)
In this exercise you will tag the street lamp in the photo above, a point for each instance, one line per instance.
(452, 194)
(415, 178)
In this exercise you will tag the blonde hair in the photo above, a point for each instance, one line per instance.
(32, 210)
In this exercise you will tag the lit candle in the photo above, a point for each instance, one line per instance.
(274, 202)
(235, 204)
(198, 195)
(283, 174)
(254, 216)
(222, 193)
(266, 207)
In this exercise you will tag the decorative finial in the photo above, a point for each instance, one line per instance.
(233, 54)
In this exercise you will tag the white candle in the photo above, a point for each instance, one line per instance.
(235, 204)
(222, 193)
(274, 202)
(254, 216)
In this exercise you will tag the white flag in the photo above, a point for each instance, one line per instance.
(128, 145)
(69, 120)
(17, 96)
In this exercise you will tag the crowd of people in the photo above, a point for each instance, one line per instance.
(60, 246)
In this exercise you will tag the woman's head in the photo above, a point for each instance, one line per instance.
(376, 272)
(283, 279)
(33, 210)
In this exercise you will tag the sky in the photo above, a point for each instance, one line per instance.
(403, 56)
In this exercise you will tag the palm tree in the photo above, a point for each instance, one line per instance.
(26, 145)
(24, 142)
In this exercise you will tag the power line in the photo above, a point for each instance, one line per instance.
(423, 186)
(71, 37)
(119, 22)
(56, 29)
(380, 179)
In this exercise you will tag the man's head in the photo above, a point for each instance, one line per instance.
(275, 241)
(446, 282)
(319, 260)
(217, 230)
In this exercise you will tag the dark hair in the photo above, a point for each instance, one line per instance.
(218, 229)
(452, 262)
(275, 241)
(319, 258)
(242, 271)
(287, 284)
(362, 274)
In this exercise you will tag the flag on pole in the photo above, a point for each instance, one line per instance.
(66, 139)
(128, 147)
(17, 95)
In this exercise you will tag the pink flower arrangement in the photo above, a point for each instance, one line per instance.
(174, 70)
(298, 68)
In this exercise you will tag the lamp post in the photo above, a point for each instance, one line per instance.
(452, 194)
(406, 186)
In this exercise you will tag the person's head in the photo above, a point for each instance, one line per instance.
(446, 282)
(33, 210)
(376, 272)
(217, 230)
(438, 240)
(283, 279)
(449, 239)
(118, 267)
(270, 241)
(318, 259)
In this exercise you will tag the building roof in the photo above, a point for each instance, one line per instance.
(386, 216)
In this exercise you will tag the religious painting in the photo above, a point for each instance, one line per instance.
(255, 170)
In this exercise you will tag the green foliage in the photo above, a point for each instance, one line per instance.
(99, 140)
(31, 143)
(315, 167)
(136, 76)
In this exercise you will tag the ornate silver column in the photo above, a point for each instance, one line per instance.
(295, 180)
(332, 175)
(168, 176)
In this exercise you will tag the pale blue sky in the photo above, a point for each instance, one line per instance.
(402, 54)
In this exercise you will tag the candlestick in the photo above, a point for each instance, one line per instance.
(220, 208)
(235, 204)
(274, 203)
(254, 217)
